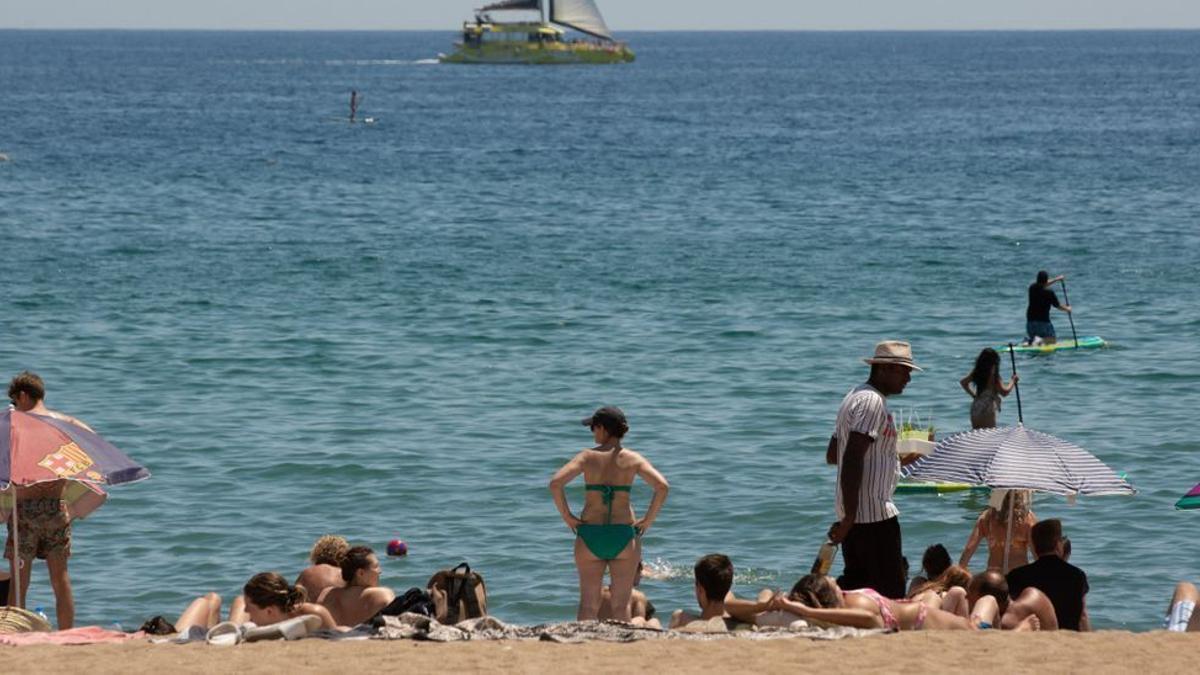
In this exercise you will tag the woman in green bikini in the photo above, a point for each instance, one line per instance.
(607, 532)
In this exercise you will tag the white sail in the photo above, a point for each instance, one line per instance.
(582, 15)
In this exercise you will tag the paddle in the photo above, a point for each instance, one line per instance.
(1016, 385)
(1070, 316)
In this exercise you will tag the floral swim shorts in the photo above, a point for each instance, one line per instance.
(44, 529)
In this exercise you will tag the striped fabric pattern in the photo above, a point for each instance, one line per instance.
(1021, 459)
(865, 410)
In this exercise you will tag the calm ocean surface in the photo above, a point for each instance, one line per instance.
(303, 326)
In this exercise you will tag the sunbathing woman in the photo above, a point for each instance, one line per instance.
(989, 388)
(936, 593)
(607, 533)
(266, 599)
(817, 598)
(993, 525)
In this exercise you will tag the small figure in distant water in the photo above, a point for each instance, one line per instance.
(354, 101)
(1037, 314)
(989, 388)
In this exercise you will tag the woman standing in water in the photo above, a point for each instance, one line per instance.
(988, 388)
(608, 535)
(992, 525)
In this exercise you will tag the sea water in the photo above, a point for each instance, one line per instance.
(303, 326)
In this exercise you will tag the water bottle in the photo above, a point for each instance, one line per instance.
(39, 612)
(824, 561)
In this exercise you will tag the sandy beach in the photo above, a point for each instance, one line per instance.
(919, 652)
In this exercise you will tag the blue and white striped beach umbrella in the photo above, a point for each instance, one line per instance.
(1018, 458)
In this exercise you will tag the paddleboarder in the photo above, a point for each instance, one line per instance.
(1038, 328)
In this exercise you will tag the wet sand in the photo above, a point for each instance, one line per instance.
(919, 652)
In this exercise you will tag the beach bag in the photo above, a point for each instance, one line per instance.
(414, 600)
(458, 594)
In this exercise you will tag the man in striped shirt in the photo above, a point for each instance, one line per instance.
(864, 448)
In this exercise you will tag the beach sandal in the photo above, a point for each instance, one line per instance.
(224, 634)
(291, 629)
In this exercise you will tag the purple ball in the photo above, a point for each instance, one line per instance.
(396, 548)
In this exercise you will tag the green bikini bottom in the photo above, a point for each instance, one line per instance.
(606, 541)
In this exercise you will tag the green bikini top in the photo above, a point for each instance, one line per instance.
(607, 493)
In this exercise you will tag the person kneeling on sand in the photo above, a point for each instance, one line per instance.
(265, 600)
(362, 597)
(817, 598)
(326, 569)
(718, 605)
(1181, 615)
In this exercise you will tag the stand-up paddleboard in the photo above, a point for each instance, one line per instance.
(1089, 342)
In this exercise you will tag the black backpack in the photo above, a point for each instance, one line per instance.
(414, 600)
(458, 594)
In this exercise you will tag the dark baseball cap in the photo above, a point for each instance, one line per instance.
(610, 414)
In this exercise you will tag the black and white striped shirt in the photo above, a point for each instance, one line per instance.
(865, 410)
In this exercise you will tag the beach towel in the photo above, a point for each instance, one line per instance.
(417, 627)
(85, 635)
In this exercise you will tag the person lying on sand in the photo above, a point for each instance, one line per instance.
(1013, 613)
(817, 598)
(362, 597)
(326, 569)
(1181, 615)
(714, 583)
(266, 599)
(641, 610)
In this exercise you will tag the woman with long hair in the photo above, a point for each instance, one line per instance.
(607, 533)
(265, 600)
(986, 388)
(993, 525)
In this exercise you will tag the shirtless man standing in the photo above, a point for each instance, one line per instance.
(45, 526)
(362, 597)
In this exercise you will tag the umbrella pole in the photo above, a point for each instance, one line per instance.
(1016, 386)
(1008, 536)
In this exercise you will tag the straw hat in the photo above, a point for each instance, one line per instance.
(893, 352)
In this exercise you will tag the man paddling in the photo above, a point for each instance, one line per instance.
(864, 448)
(1037, 314)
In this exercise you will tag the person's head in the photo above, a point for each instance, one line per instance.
(607, 424)
(817, 591)
(329, 550)
(891, 367)
(1043, 278)
(1015, 502)
(269, 598)
(1047, 537)
(360, 567)
(987, 367)
(954, 575)
(26, 390)
(990, 583)
(935, 561)
(714, 578)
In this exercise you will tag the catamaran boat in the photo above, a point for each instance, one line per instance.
(540, 40)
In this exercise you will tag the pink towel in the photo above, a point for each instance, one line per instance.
(86, 635)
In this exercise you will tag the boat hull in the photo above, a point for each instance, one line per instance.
(537, 54)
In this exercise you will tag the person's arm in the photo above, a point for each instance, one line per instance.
(375, 599)
(654, 479)
(831, 450)
(744, 610)
(1085, 623)
(1006, 389)
(558, 485)
(1031, 520)
(843, 616)
(965, 383)
(327, 621)
(851, 483)
(968, 551)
